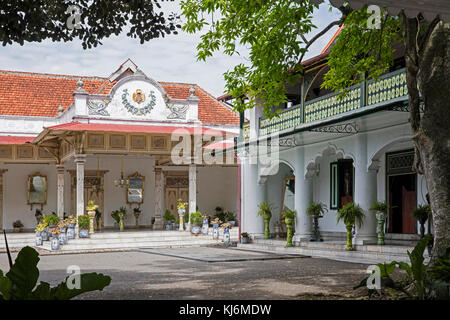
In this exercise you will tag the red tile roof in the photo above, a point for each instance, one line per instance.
(15, 139)
(77, 126)
(40, 94)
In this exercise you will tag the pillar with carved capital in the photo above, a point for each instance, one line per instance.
(303, 198)
(60, 191)
(80, 161)
(365, 193)
(192, 191)
(158, 224)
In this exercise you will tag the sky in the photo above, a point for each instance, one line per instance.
(172, 58)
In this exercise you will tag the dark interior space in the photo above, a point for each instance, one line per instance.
(402, 200)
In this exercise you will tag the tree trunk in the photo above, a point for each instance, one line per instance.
(428, 72)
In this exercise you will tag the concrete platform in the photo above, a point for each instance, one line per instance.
(334, 250)
(115, 240)
(212, 255)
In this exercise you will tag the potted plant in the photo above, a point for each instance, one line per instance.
(196, 221)
(40, 229)
(91, 208)
(71, 222)
(98, 219)
(226, 232)
(245, 238)
(181, 207)
(421, 214)
(137, 212)
(222, 216)
(115, 216)
(38, 215)
(230, 217)
(289, 219)
(83, 225)
(122, 213)
(316, 210)
(216, 223)
(265, 211)
(17, 225)
(351, 214)
(62, 226)
(186, 220)
(205, 224)
(51, 220)
(55, 232)
(380, 208)
(169, 219)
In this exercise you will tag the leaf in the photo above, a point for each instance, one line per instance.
(5, 287)
(88, 282)
(42, 292)
(24, 273)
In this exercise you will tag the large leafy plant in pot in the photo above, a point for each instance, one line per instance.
(265, 211)
(289, 219)
(316, 210)
(421, 214)
(351, 214)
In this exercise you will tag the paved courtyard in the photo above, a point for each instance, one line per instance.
(207, 273)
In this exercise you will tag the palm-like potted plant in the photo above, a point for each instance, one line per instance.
(83, 225)
(421, 214)
(169, 218)
(351, 214)
(381, 211)
(265, 211)
(115, 216)
(316, 210)
(196, 221)
(289, 218)
(98, 218)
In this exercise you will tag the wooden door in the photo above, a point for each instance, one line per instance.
(408, 205)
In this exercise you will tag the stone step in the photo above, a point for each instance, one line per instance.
(329, 252)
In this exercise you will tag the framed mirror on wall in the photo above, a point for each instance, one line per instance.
(37, 190)
(135, 189)
(288, 196)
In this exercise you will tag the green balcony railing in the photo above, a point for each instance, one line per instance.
(388, 87)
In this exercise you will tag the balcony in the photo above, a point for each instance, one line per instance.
(388, 89)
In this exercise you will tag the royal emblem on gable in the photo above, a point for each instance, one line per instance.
(138, 97)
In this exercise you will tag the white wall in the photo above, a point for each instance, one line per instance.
(217, 186)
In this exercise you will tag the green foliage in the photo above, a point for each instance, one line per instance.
(186, 217)
(220, 214)
(265, 210)
(122, 212)
(83, 222)
(290, 214)
(196, 218)
(270, 29)
(20, 282)
(351, 214)
(35, 21)
(421, 213)
(168, 216)
(379, 206)
(316, 209)
(230, 216)
(115, 215)
(98, 215)
(361, 50)
(421, 281)
(51, 219)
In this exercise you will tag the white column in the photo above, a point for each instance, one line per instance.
(1, 198)
(253, 193)
(60, 191)
(192, 191)
(158, 225)
(80, 160)
(365, 193)
(303, 198)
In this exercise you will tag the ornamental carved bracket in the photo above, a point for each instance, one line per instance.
(338, 128)
(283, 142)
